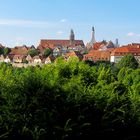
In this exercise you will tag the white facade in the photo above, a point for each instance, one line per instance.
(29, 59)
(7, 60)
(115, 59)
(37, 61)
(47, 61)
(138, 58)
(1, 58)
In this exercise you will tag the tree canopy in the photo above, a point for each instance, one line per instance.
(128, 61)
(33, 52)
(6, 51)
(47, 52)
(69, 100)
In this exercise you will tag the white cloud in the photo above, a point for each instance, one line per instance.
(130, 34)
(26, 23)
(63, 20)
(59, 32)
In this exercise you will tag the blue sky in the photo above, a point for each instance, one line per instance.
(28, 21)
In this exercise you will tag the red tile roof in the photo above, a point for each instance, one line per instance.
(51, 58)
(38, 57)
(125, 50)
(19, 57)
(133, 45)
(98, 45)
(53, 43)
(74, 54)
(19, 50)
(96, 55)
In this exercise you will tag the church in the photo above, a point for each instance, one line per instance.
(102, 45)
(61, 47)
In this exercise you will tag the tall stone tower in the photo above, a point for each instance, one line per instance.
(92, 37)
(117, 43)
(72, 37)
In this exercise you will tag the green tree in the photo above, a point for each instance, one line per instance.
(128, 61)
(33, 52)
(1, 51)
(47, 52)
(6, 51)
(69, 100)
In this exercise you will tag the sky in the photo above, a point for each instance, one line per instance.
(26, 22)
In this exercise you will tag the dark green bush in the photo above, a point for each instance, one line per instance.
(69, 100)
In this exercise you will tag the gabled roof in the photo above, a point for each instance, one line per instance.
(44, 43)
(7, 57)
(28, 57)
(19, 50)
(19, 56)
(97, 55)
(38, 57)
(52, 58)
(101, 45)
(74, 54)
(126, 49)
(98, 45)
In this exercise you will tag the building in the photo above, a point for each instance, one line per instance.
(57, 51)
(99, 45)
(107, 45)
(19, 58)
(74, 54)
(29, 59)
(2, 58)
(7, 59)
(37, 59)
(20, 50)
(96, 55)
(92, 41)
(49, 60)
(60, 47)
(118, 53)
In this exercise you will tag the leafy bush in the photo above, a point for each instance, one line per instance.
(128, 61)
(69, 100)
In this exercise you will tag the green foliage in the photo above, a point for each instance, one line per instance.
(6, 51)
(1, 51)
(69, 100)
(33, 52)
(47, 52)
(128, 61)
(24, 61)
(85, 52)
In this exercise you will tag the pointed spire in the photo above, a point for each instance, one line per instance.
(72, 36)
(93, 29)
(116, 42)
(92, 37)
(72, 32)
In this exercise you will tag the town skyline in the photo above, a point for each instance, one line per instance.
(26, 22)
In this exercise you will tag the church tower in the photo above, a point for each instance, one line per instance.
(92, 37)
(117, 43)
(72, 37)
